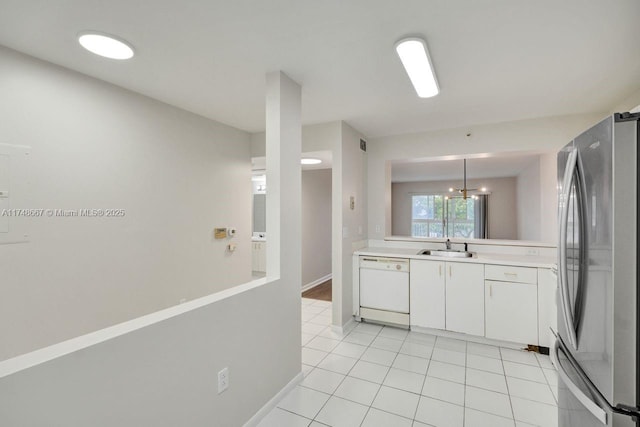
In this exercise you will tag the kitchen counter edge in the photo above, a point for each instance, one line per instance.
(496, 259)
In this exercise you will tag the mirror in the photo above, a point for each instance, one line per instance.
(259, 181)
(509, 196)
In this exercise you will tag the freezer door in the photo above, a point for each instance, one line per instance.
(579, 403)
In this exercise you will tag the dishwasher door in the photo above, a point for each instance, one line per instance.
(384, 284)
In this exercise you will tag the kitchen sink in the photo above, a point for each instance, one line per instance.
(449, 253)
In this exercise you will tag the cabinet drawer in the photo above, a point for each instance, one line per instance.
(506, 273)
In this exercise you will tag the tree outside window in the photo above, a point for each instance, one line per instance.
(434, 215)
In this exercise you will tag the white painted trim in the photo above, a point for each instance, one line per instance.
(469, 338)
(268, 407)
(46, 354)
(385, 316)
(344, 329)
(316, 282)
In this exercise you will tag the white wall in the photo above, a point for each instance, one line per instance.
(348, 178)
(538, 200)
(160, 370)
(502, 204)
(549, 197)
(316, 225)
(528, 197)
(351, 231)
(317, 137)
(165, 375)
(544, 134)
(94, 145)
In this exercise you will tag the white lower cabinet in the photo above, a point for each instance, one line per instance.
(464, 298)
(427, 294)
(511, 311)
(547, 306)
(447, 295)
(259, 256)
(506, 303)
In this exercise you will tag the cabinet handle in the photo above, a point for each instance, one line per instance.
(449, 271)
(490, 291)
(511, 274)
(440, 270)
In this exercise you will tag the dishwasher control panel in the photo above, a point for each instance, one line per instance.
(380, 263)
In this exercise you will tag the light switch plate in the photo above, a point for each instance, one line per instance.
(223, 380)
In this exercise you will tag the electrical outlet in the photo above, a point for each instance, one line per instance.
(378, 228)
(223, 380)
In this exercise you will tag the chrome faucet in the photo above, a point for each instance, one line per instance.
(448, 244)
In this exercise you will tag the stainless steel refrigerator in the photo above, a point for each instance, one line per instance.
(596, 350)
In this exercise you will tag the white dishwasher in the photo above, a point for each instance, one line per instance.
(384, 289)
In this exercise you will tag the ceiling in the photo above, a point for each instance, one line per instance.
(496, 60)
(488, 166)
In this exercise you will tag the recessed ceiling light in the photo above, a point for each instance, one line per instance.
(310, 161)
(415, 57)
(105, 45)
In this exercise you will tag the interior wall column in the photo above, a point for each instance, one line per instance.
(283, 151)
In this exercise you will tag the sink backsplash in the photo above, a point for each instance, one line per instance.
(489, 246)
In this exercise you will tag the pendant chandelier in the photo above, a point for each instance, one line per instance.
(464, 191)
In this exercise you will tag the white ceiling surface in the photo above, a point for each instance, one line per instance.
(496, 60)
(499, 166)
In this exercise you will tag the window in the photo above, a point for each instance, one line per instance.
(434, 215)
(427, 216)
(461, 219)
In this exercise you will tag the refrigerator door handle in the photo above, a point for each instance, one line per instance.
(585, 400)
(572, 163)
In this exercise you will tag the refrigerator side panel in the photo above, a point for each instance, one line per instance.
(624, 263)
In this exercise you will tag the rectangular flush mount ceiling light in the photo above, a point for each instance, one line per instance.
(415, 58)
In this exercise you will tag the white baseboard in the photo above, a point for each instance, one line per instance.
(468, 338)
(316, 282)
(344, 329)
(268, 407)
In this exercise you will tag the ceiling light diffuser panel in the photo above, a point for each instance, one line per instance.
(415, 58)
(105, 45)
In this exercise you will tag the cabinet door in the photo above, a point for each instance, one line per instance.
(262, 258)
(511, 311)
(547, 306)
(254, 256)
(427, 295)
(465, 298)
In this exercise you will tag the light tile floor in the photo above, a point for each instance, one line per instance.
(375, 376)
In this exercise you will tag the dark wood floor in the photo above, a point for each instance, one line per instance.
(322, 292)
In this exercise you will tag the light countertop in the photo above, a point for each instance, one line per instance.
(481, 258)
